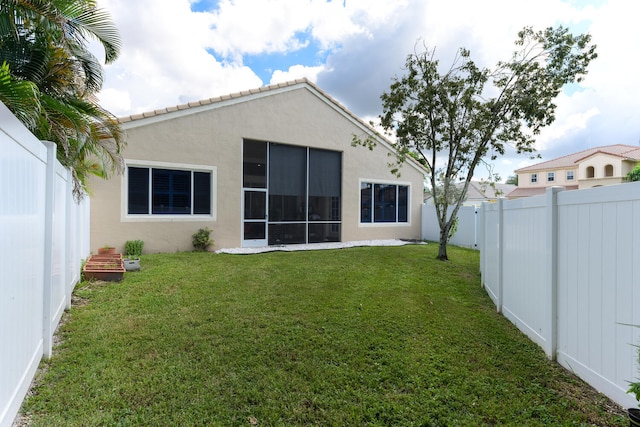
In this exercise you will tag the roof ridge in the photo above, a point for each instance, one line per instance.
(606, 149)
(219, 98)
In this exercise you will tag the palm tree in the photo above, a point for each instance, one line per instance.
(20, 96)
(49, 78)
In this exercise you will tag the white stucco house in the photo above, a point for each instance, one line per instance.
(269, 166)
(589, 168)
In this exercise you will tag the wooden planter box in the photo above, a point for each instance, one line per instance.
(105, 257)
(109, 268)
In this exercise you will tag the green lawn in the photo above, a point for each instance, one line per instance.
(382, 336)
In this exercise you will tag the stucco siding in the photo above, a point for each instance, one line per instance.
(560, 178)
(599, 162)
(213, 138)
(599, 182)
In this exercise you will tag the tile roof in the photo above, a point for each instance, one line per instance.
(526, 192)
(238, 95)
(477, 190)
(619, 150)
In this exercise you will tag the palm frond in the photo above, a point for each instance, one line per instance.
(21, 97)
(50, 78)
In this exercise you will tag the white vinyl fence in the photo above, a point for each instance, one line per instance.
(564, 267)
(44, 236)
(466, 235)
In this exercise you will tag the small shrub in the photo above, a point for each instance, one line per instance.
(133, 248)
(202, 240)
(634, 387)
(634, 175)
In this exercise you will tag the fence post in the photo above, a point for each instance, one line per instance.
(551, 263)
(475, 227)
(481, 247)
(500, 231)
(47, 282)
(70, 241)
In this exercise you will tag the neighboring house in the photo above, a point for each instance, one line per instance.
(480, 191)
(589, 168)
(268, 166)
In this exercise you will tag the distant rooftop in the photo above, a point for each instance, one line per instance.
(478, 190)
(629, 152)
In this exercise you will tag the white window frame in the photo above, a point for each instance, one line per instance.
(534, 178)
(150, 217)
(385, 224)
(570, 176)
(551, 176)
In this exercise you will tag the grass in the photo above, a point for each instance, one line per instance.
(362, 336)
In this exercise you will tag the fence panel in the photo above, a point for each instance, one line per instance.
(489, 254)
(599, 286)
(524, 247)
(22, 207)
(466, 234)
(39, 263)
(568, 277)
(56, 236)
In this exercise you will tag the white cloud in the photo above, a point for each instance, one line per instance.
(246, 27)
(565, 127)
(164, 60)
(116, 101)
(278, 26)
(296, 72)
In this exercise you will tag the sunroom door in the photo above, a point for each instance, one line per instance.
(255, 218)
(254, 193)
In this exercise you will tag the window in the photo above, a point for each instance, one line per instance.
(569, 175)
(551, 176)
(591, 172)
(608, 170)
(162, 191)
(384, 203)
(534, 178)
(254, 164)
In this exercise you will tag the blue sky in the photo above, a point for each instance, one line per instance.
(176, 51)
(264, 64)
(204, 5)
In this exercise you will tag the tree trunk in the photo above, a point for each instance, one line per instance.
(442, 249)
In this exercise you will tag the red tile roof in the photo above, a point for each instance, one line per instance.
(629, 152)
